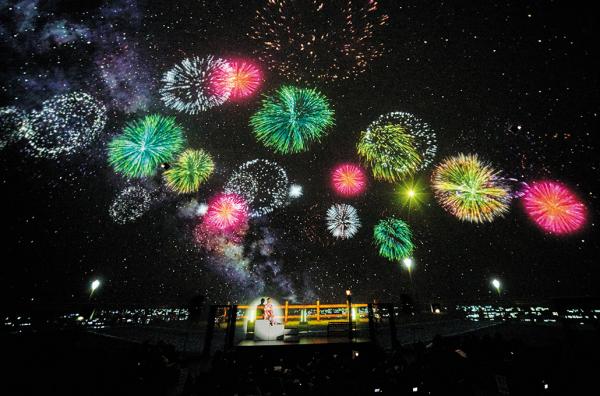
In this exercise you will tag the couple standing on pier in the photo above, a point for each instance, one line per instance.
(266, 311)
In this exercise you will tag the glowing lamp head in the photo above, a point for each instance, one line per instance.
(95, 284)
(496, 283)
(408, 263)
(348, 293)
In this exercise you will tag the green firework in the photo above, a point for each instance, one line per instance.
(144, 145)
(389, 151)
(393, 239)
(192, 168)
(470, 189)
(292, 119)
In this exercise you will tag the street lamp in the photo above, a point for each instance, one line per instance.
(408, 263)
(496, 284)
(93, 286)
(349, 300)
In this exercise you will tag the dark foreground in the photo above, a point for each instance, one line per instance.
(505, 359)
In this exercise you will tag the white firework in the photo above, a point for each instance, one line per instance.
(130, 205)
(264, 184)
(295, 191)
(342, 221)
(191, 87)
(13, 125)
(424, 138)
(65, 125)
(202, 209)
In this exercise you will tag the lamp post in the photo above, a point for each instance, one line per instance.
(408, 264)
(93, 286)
(349, 300)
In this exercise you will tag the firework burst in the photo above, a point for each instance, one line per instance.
(390, 152)
(130, 205)
(342, 221)
(226, 213)
(14, 125)
(65, 124)
(192, 168)
(292, 119)
(348, 180)
(264, 184)
(393, 238)
(241, 79)
(191, 87)
(144, 145)
(423, 137)
(315, 39)
(295, 191)
(470, 189)
(554, 208)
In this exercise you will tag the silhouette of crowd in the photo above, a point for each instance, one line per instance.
(465, 365)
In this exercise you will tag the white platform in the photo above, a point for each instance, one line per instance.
(263, 331)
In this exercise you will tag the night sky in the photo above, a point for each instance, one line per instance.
(515, 82)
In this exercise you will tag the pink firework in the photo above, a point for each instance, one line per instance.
(348, 180)
(241, 79)
(554, 208)
(226, 213)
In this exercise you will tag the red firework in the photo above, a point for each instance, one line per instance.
(240, 79)
(348, 180)
(226, 213)
(554, 208)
